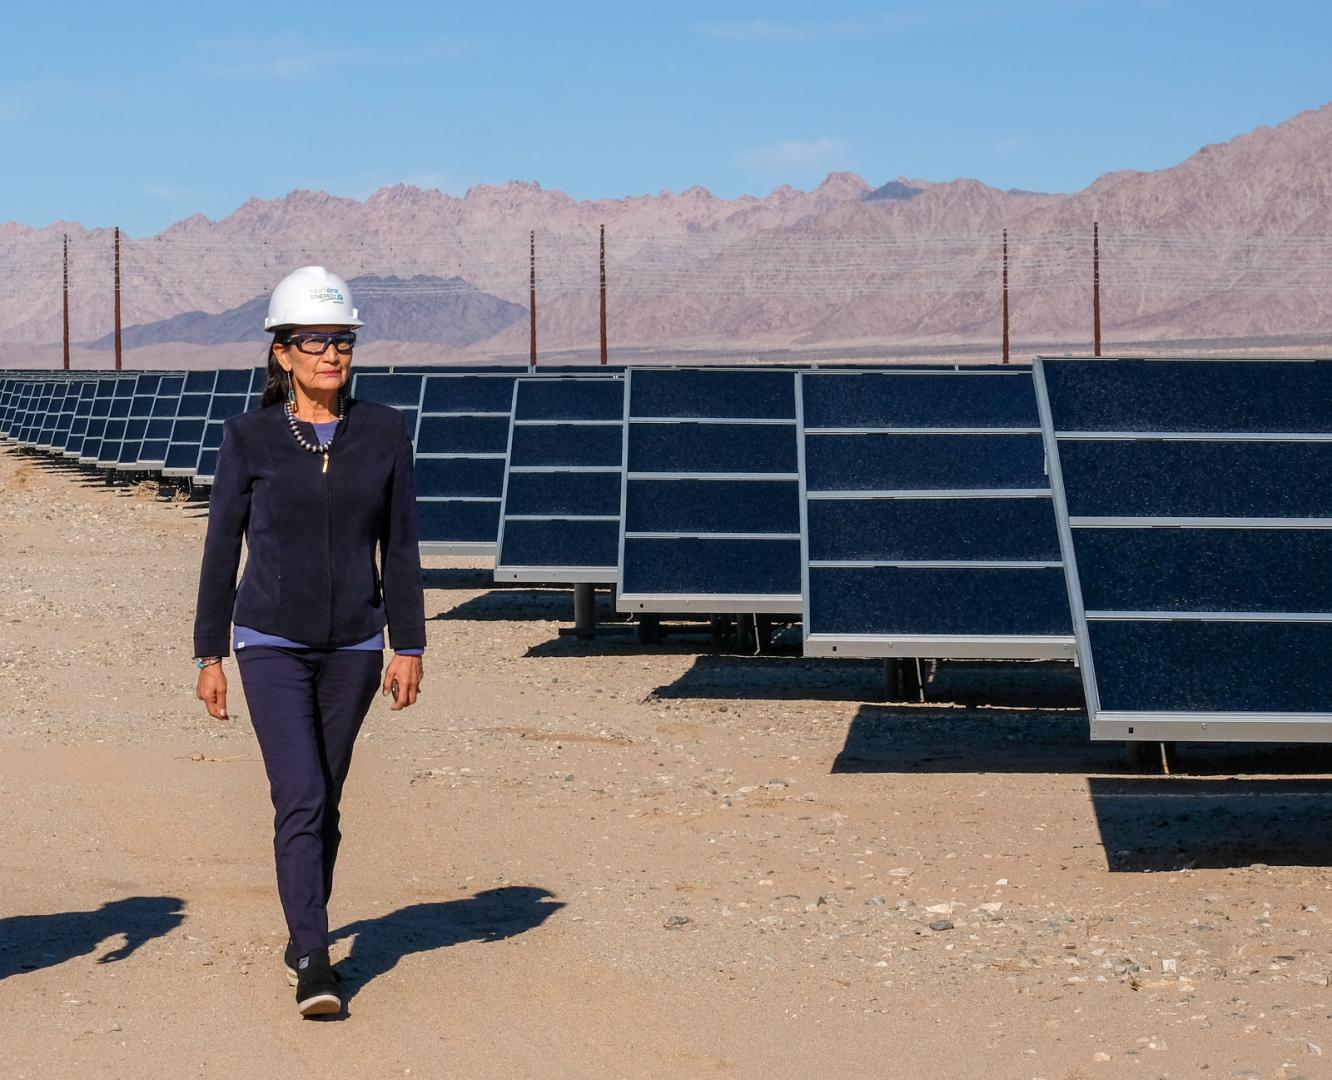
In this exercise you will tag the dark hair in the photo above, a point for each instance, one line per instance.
(279, 382)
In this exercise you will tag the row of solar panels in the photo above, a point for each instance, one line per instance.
(1164, 522)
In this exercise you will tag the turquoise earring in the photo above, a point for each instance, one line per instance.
(291, 388)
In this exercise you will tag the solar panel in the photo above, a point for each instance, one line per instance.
(48, 424)
(118, 422)
(78, 427)
(928, 524)
(560, 514)
(234, 391)
(151, 429)
(99, 416)
(1195, 510)
(462, 439)
(34, 409)
(710, 492)
(187, 428)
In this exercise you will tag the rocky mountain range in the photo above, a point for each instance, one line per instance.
(1228, 249)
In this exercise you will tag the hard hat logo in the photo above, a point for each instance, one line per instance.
(311, 296)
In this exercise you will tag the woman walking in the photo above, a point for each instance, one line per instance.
(313, 481)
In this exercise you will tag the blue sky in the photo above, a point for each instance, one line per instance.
(144, 113)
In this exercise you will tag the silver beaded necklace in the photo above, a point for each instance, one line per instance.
(314, 448)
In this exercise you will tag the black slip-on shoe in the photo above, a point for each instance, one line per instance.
(317, 989)
(290, 960)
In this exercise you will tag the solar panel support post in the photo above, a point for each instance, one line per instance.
(585, 609)
(1096, 288)
(603, 294)
(1005, 296)
(65, 318)
(531, 299)
(117, 298)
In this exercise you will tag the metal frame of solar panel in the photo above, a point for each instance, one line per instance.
(1194, 500)
(927, 519)
(236, 390)
(560, 503)
(710, 492)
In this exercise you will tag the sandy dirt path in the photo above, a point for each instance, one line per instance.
(613, 861)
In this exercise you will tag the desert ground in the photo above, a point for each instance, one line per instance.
(605, 859)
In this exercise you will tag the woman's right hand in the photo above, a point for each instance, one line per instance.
(212, 691)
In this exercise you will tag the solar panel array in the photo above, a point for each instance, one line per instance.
(1195, 510)
(928, 525)
(710, 492)
(560, 511)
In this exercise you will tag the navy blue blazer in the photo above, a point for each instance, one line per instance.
(311, 574)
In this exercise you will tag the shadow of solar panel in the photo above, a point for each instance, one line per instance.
(879, 462)
(1164, 479)
(951, 602)
(933, 530)
(1203, 612)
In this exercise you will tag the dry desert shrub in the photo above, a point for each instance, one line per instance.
(22, 476)
(147, 489)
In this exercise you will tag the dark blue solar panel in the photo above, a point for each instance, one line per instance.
(933, 530)
(387, 389)
(570, 399)
(1190, 666)
(712, 448)
(942, 400)
(554, 543)
(566, 445)
(923, 462)
(460, 477)
(1257, 661)
(234, 381)
(1194, 395)
(712, 506)
(477, 393)
(1205, 569)
(1197, 479)
(707, 394)
(562, 494)
(463, 435)
(959, 602)
(457, 522)
(563, 432)
(691, 567)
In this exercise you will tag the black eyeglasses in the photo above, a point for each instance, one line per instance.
(316, 342)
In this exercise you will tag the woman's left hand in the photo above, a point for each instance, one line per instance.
(406, 671)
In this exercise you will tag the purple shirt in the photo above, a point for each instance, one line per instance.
(247, 637)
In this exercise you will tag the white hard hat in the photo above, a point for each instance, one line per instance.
(311, 296)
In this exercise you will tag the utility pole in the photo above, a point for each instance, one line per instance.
(603, 294)
(1096, 288)
(118, 352)
(66, 306)
(531, 302)
(1005, 296)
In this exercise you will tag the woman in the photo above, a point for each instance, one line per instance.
(312, 481)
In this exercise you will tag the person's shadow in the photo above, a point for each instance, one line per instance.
(31, 942)
(490, 915)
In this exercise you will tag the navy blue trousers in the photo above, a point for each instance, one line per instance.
(307, 706)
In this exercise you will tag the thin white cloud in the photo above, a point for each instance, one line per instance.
(797, 157)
